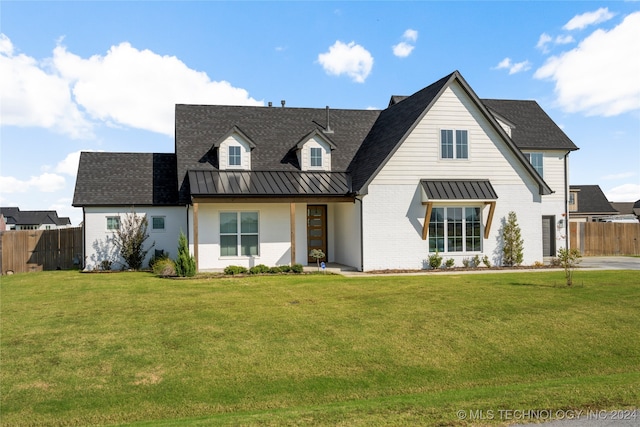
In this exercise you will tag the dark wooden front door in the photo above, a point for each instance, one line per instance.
(316, 230)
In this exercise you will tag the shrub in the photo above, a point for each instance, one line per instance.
(435, 260)
(466, 262)
(130, 238)
(185, 263)
(285, 268)
(450, 263)
(297, 268)
(157, 256)
(318, 255)
(259, 269)
(164, 267)
(232, 270)
(512, 240)
(486, 262)
(475, 261)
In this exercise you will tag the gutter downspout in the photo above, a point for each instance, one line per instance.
(566, 200)
(361, 236)
(83, 262)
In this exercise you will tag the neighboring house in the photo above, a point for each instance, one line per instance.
(12, 218)
(587, 203)
(435, 171)
(626, 212)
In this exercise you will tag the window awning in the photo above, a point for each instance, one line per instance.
(459, 190)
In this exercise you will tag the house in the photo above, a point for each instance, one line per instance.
(12, 218)
(435, 171)
(588, 203)
(626, 212)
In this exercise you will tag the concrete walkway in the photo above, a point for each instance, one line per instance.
(587, 263)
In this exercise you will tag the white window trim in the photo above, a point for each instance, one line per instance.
(321, 165)
(455, 145)
(107, 223)
(164, 224)
(239, 234)
(465, 251)
(529, 154)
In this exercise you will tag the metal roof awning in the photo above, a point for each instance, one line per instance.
(434, 191)
(268, 184)
(454, 190)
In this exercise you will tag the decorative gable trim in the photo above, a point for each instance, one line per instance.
(315, 140)
(235, 130)
(312, 134)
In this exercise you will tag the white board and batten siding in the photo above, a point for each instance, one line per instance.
(393, 212)
(99, 239)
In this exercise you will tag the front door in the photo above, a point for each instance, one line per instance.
(316, 230)
(548, 236)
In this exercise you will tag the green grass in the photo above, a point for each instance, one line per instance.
(127, 348)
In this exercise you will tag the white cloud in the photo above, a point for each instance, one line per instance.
(140, 88)
(127, 86)
(410, 35)
(350, 59)
(402, 49)
(513, 67)
(579, 22)
(624, 193)
(600, 75)
(46, 183)
(30, 95)
(69, 166)
(543, 41)
(621, 175)
(565, 39)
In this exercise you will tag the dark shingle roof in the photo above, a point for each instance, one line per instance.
(14, 215)
(591, 199)
(126, 179)
(268, 183)
(534, 129)
(275, 132)
(389, 130)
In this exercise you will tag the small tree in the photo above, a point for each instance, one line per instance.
(318, 255)
(129, 238)
(569, 259)
(185, 263)
(512, 240)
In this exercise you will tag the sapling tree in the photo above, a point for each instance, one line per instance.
(129, 238)
(569, 259)
(512, 240)
(318, 255)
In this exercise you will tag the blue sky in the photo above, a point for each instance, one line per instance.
(80, 76)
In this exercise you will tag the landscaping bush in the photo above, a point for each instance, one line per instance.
(450, 263)
(486, 262)
(164, 267)
(259, 269)
(130, 238)
(232, 270)
(157, 256)
(297, 268)
(435, 260)
(185, 263)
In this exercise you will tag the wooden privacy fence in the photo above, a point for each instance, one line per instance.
(605, 238)
(37, 250)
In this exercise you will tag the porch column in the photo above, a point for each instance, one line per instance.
(195, 234)
(292, 221)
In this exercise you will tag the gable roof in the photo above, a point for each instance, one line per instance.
(592, 200)
(401, 117)
(534, 129)
(126, 179)
(275, 132)
(13, 215)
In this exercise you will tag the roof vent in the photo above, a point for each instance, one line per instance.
(328, 128)
(270, 104)
(283, 102)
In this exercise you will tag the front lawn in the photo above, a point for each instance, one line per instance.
(122, 348)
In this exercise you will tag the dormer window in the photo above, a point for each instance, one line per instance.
(234, 150)
(316, 157)
(235, 155)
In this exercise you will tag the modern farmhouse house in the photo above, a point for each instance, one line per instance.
(435, 171)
